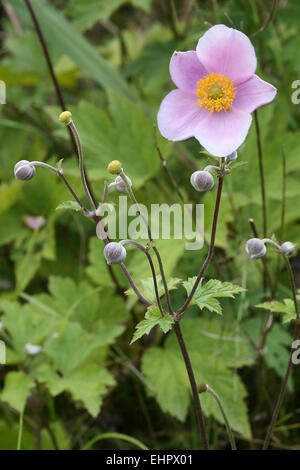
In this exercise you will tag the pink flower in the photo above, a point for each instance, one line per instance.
(217, 91)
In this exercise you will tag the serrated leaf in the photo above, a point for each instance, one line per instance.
(153, 318)
(71, 205)
(206, 294)
(287, 308)
(87, 384)
(73, 346)
(16, 389)
(148, 290)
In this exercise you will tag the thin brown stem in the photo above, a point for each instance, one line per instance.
(289, 366)
(208, 258)
(261, 175)
(190, 372)
(49, 64)
(267, 20)
(134, 200)
(282, 218)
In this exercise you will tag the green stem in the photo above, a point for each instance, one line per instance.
(261, 174)
(20, 432)
(289, 366)
(190, 372)
(115, 435)
(72, 126)
(228, 428)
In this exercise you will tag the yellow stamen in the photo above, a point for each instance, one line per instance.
(215, 92)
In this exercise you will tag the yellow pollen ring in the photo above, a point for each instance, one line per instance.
(215, 92)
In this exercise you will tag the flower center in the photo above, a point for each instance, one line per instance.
(215, 92)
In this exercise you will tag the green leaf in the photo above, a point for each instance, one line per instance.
(88, 384)
(17, 387)
(148, 290)
(152, 318)
(73, 205)
(26, 324)
(215, 356)
(63, 36)
(206, 294)
(73, 346)
(287, 308)
(278, 343)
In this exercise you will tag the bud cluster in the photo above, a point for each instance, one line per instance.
(256, 248)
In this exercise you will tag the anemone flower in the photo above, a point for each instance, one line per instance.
(217, 92)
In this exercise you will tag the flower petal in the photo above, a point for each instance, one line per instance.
(221, 133)
(186, 70)
(227, 51)
(253, 93)
(179, 115)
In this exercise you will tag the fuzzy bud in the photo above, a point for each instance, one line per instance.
(230, 158)
(24, 171)
(202, 181)
(201, 387)
(65, 117)
(288, 248)
(114, 167)
(114, 253)
(255, 248)
(120, 185)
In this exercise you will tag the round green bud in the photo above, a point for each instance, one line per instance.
(65, 117)
(201, 387)
(114, 167)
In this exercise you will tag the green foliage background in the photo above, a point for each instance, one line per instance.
(111, 60)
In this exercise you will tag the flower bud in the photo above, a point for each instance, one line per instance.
(202, 387)
(120, 185)
(202, 181)
(114, 167)
(287, 248)
(114, 253)
(255, 248)
(65, 117)
(230, 158)
(24, 171)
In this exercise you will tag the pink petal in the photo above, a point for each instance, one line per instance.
(179, 115)
(253, 93)
(186, 70)
(221, 133)
(227, 51)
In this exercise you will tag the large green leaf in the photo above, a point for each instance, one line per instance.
(86, 384)
(213, 354)
(16, 389)
(73, 346)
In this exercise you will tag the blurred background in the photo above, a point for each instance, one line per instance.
(71, 374)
